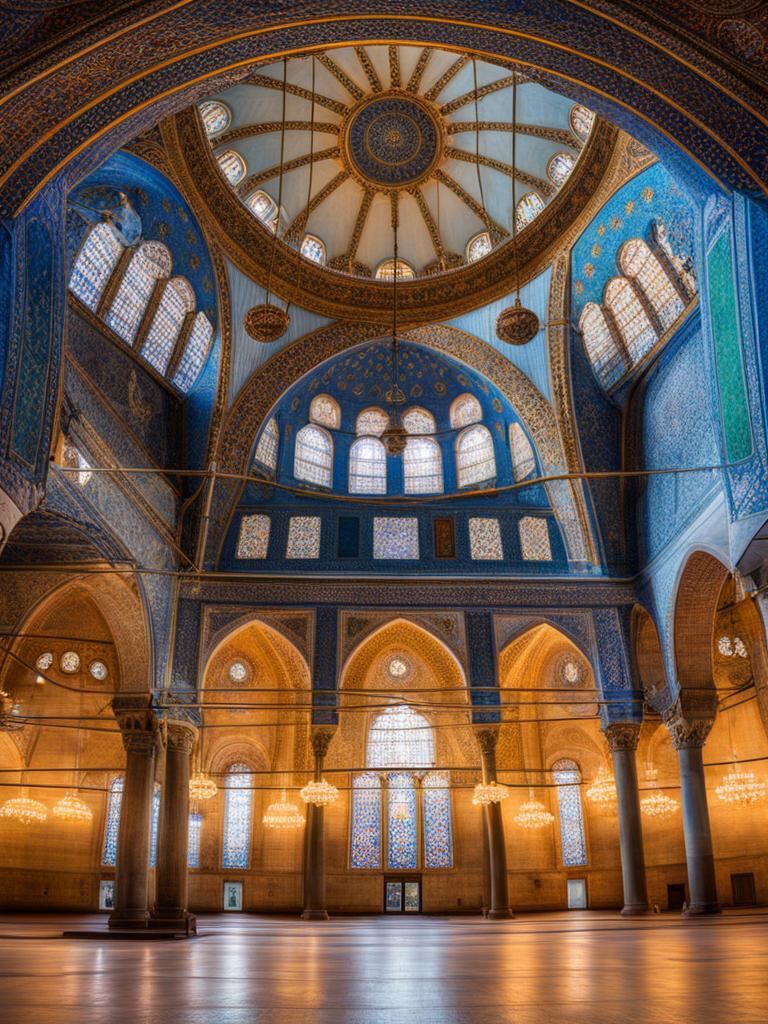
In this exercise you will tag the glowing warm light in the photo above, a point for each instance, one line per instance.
(603, 789)
(283, 815)
(319, 793)
(489, 793)
(71, 808)
(202, 787)
(740, 787)
(24, 810)
(533, 814)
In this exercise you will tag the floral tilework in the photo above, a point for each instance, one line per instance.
(366, 821)
(485, 539)
(438, 838)
(303, 537)
(534, 539)
(253, 540)
(395, 538)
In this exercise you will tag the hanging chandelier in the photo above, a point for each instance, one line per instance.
(202, 786)
(24, 810)
(489, 793)
(72, 809)
(283, 815)
(319, 792)
(533, 814)
(741, 788)
(603, 789)
(657, 805)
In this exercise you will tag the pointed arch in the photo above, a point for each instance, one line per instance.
(695, 607)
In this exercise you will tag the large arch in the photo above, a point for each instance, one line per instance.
(696, 599)
(648, 659)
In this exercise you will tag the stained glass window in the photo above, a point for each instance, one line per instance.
(45, 661)
(314, 249)
(395, 538)
(193, 848)
(371, 423)
(313, 456)
(478, 247)
(149, 263)
(264, 207)
(475, 459)
(177, 300)
(112, 825)
(154, 826)
(325, 411)
(422, 466)
(528, 208)
(559, 167)
(438, 838)
(267, 447)
(400, 738)
(95, 262)
(419, 421)
(402, 847)
(367, 467)
(386, 271)
(631, 319)
(98, 670)
(69, 662)
(232, 165)
(534, 539)
(573, 844)
(485, 540)
(602, 350)
(216, 116)
(465, 410)
(638, 261)
(238, 809)
(303, 537)
(253, 539)
(366, 821)
(73, 458)
(195, 352)
(238, 672)
(581, 120)
(523, 460)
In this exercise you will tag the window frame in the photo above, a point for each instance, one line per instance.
(296, 457)
(459, 470)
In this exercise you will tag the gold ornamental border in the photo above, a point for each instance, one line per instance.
(348, 159)
(339, 296)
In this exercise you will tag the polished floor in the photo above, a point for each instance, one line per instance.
(577, 968)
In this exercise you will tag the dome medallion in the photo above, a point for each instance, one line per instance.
(392, 141)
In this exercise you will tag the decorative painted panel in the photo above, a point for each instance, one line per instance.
(567, 777)
(402, 850)
(303, 537)
(438, 836)
(253, 541)
(366, 821)
(485, 540)
(395, 538)
(534, 539)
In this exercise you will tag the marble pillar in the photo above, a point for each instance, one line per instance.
(138, 726)
(314, 839)
(498, 908)
(172, 883)
(622, 740)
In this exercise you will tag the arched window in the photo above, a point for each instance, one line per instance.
(637, 261)
(366, 821)
(418, 421)
(73, 458)
(367, 467)
(573, 845)
(559, 167)
(602, 350)
(193, 842)
(581, 120)
(523, 459)
(95, 262)
(267, 447)
(631, 319)
(478, 247)
(528, 208)
(238, 811)
(264, 207)
(195, 353)
(400, 738)
(325, 410)
(386, 271)
(216, 116)
(112, 822)
(438, 835)
(371, 423)
(232, 166)
(176, 302)
(314, 249)
(422, 466)
(475, 458)
(149, 264)
(465, 410)
(313, 456)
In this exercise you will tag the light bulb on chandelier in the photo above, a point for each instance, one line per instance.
(533, 814)
(319, 792)
(489, 793)
(657, 805)
(283, 815)
(72, 809)
(603, 789)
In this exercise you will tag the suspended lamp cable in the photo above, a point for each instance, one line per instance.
(310, 177)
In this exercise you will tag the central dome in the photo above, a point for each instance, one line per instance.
(392, 141)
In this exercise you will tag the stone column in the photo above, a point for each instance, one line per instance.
(688, 737)
(622, 740)
(487, 739)
(172, 881)
(139, 729)
(314, 837)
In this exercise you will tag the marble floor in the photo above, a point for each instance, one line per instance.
(576, 968)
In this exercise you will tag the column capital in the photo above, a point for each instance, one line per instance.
(487, 739)
(321, 739)
(622, 735)
(686, 732)
(180, 734)
(137, 721)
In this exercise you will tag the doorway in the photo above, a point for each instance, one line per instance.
(743, 889)
(402, 895)
(577, 894)
(233, 895)
(675, 896)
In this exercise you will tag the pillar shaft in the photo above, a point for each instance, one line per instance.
(494, 825)
(172, 881)
(315, 908)
(132, 872)
(622, 739)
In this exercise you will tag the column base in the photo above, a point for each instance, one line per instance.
(500, 915)
(701, 909)
(126, 918)
(315, 915)
(635, 910)
(173, 919)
